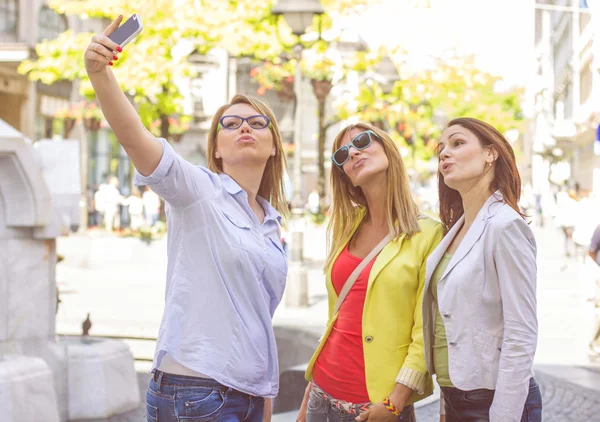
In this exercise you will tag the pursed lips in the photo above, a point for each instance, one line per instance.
(359, 163)
(446, 166)
(246, 139)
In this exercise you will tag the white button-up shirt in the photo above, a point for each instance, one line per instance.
(226, 275)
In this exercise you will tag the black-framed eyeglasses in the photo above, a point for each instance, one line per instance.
(361, 141)
(232, 122)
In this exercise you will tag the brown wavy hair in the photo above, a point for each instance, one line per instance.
(271, 185)
(506, 176)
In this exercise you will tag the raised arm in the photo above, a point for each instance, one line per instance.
(143, 149)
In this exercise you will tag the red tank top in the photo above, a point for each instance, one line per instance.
(340, 367)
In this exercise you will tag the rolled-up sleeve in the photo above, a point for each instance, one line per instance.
(177, 181)
(515, 259)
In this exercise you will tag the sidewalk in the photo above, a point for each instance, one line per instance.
(569, 380)
(105, 276)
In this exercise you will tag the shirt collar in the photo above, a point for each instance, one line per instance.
(233, 188)
(229, 184)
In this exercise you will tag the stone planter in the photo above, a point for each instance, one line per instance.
(27, 390)
(101, 378)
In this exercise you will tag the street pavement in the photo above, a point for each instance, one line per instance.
(121, 282)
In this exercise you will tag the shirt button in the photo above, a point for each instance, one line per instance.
(446, 315)
(369, 339)
(452, 343)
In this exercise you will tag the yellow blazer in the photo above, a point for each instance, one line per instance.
(392, 323)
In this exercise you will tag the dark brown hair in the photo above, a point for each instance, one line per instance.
(506, 176)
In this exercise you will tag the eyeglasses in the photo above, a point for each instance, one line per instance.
(257, 121)
(359, 142)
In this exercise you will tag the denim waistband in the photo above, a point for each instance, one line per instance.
(164, 378)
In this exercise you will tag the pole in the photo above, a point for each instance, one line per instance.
(297, 288)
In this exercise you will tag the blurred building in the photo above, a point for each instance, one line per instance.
(567, 94)
(29, 106)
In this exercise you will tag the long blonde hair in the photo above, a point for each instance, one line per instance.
(271, 185)
(349, 204)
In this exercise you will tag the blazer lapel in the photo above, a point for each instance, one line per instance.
(475, 231)
(438, 253)
(384, 258)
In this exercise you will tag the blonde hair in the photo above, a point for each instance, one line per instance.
(349, 204)
(271, 185)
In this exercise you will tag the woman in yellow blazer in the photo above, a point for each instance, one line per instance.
(370, 363)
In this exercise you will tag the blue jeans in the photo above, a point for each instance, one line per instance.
(474, 405)
(324, 408)
(177, 398)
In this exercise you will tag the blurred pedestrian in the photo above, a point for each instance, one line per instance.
(107, 201)
(566, 204)
(216, 356)
(369, 364)
(135, 207)
(91, 205)
(151, 202)
(479, 306)
(594, 254)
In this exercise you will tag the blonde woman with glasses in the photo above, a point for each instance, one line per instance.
(370, 363)
(216, 356)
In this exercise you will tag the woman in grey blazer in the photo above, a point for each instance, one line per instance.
(479, 306)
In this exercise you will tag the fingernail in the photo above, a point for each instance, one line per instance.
(110, 63)
(115, 58)
(119, 49)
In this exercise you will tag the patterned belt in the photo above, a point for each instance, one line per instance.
(345, 407)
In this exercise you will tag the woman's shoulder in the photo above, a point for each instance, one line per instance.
(507, 222)
(429, 226)
(431, 231)
(505, 215)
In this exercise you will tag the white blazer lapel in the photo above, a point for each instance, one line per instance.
(475, 231)
(472, 236)
(438, 253)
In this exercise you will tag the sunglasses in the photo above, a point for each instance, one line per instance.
(361, 141)
(232, 122)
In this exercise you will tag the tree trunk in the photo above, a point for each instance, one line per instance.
(321, 154)
(164, 126)
(321, 89)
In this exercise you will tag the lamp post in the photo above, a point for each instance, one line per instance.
(298, 15)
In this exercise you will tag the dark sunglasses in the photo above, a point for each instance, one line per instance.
(361, 141)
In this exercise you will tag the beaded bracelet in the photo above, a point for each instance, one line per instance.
(390, 406)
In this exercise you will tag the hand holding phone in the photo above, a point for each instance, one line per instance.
(128, 31)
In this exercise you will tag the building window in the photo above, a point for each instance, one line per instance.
(50, 24)
(9, 16)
